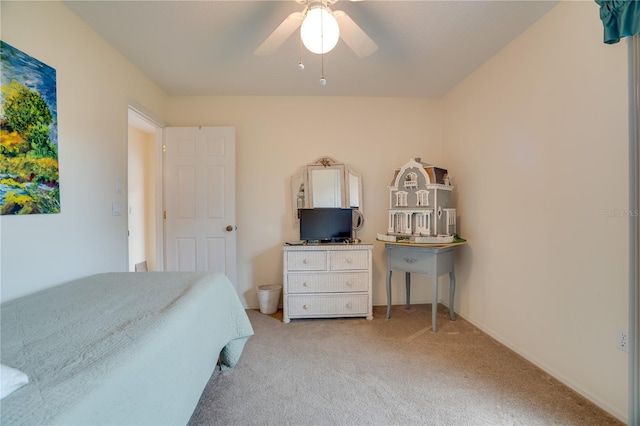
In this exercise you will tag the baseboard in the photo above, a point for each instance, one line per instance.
(552, 372)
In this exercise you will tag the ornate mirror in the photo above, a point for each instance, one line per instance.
(326, 183)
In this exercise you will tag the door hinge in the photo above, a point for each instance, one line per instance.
(164, 148)
(164, 215)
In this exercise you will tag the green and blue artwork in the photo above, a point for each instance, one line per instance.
(29, 178)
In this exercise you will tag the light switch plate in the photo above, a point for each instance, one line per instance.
(116, 208)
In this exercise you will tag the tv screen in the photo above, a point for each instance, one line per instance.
(326, 224)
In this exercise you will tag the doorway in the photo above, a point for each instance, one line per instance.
(144, 192)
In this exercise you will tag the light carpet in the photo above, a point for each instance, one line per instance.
(386, 372)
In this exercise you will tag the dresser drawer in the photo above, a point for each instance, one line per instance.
(349, 260)
(328, 283)
(307, 260)
(328, 305)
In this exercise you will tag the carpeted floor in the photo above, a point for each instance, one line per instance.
(385, 372)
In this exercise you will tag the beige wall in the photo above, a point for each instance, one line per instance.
(275, 136)
(538, 137)
(94, 85)
(535, 141)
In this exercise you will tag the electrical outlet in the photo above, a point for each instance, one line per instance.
(623, 340)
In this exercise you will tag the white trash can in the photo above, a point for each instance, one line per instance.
(269, 296)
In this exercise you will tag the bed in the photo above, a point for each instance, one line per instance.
(120, 348)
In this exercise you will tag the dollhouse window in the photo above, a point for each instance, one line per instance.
(451, 221)
(401, 199)
(400, 222)
(411, 180)
(422, 198)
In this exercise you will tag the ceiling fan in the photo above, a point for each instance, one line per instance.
(349, 31)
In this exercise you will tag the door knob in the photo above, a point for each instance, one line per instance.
(229, 228)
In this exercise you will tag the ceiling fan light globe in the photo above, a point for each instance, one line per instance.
(319, 30)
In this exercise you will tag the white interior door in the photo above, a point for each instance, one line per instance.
(200, 200)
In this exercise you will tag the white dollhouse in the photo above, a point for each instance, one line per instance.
(420, 207)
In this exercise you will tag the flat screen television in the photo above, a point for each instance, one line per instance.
(326, 225)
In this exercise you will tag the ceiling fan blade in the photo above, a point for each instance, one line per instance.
(353, 35)
(284, 30)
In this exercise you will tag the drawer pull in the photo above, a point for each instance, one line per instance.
(304, 306)
(348, 284)
(305, 261)
(348, 260)
(409, 260)
(304, 284)
(348, 305)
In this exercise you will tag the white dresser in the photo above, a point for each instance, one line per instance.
(327, 280)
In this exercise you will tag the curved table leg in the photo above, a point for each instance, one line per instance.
(389, 294)
(434, 301)
(407, 283)
(452, 291)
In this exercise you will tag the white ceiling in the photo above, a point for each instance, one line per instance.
(206, 47)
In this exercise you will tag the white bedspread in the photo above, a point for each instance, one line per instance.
(120, 348)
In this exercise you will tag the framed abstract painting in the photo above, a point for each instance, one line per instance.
(29, 174)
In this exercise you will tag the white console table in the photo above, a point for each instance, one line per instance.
(327, 280)
(432, 260)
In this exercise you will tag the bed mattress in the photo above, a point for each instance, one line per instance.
(120, 348)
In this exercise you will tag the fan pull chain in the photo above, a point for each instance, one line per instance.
(323, 81)
(300, 64)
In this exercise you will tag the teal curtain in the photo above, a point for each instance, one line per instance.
(621, 18)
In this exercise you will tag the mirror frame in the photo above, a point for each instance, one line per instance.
(302, 189)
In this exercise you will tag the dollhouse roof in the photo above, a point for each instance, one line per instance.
(436, 174)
